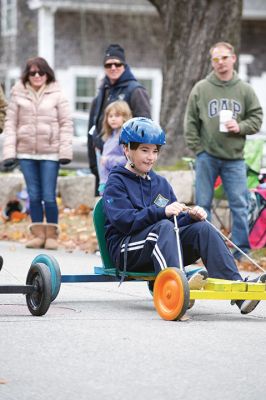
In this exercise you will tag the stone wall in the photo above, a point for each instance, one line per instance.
(182, 183)
(77, 190)
(11, 184)
(74, 190)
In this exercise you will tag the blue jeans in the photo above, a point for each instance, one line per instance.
(41, 178)
(234, 178)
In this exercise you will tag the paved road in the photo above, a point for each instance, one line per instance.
(98, 341)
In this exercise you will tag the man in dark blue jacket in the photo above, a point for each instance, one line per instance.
(119, 84)
(139, 207)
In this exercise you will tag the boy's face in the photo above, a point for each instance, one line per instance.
(143, 157)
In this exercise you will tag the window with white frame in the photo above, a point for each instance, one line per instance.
(85, 92)
(9, 17)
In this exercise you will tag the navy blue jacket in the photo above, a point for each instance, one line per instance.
(131, 203)
(126, 88)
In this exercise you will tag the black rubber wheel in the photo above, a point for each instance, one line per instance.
(1, 262)
(39, 300)
(150, 286)
(55, 272)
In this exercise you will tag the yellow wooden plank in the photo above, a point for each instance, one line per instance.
(239, 286)
(217, 280)
(256, 287)
(225, 285)
(226, 295)
(218, 286)
(209, 285)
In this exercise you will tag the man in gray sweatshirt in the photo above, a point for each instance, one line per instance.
(219, 151)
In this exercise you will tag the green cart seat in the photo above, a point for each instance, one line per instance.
(108, 266)
(99, 221)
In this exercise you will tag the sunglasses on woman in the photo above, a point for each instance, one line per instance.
(34, 73)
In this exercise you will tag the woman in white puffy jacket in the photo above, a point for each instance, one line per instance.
(38, 133)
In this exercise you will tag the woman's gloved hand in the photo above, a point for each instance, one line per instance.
(10, 162)
(64, 161)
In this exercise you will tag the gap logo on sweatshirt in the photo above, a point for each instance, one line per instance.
(216, 105)
(161, 201)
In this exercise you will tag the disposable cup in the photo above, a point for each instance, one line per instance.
(225, 116)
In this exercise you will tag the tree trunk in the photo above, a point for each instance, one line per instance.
(190, 28)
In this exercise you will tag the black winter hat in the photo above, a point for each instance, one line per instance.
(115, 51)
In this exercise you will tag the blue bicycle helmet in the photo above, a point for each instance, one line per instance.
(142, 130)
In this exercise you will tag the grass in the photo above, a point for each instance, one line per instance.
(180, 165)
(259, 253)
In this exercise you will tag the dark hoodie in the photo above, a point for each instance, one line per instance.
(126, 88)
(132, 203)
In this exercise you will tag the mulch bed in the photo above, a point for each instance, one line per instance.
(76, 229)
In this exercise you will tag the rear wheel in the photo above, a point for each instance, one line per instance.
(55, 272)
(171, 294)
(39, 300)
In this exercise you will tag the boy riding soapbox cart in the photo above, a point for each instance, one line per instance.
(171, 293)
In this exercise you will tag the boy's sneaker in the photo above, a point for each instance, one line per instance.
(246, 306)
(197, 278)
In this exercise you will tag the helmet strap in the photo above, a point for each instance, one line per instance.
(133, 166)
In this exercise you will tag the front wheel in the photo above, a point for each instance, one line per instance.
(171, 294)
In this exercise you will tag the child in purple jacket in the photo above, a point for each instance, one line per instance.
(115, 115)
